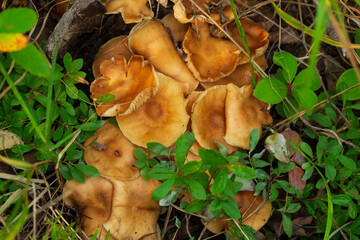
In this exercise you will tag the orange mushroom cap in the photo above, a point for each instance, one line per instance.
(208, 118)
(189, 102)
(133, 214)
(184, 9)
(131, 11)
(115, 46)
(243, 113)
(132, 83)
(93, 200)
(151, 40)
(176, 28)
(162, 118)
(209, 58)
(111, 153)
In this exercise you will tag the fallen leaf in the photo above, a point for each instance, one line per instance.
(277, 143)
(293, 137)
(8, 139)
(298, 158)
(295, 178)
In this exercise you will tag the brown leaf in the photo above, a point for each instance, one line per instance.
(295, 178)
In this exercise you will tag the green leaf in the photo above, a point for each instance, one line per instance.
(197, 190)
(348, 162)
(306, 149)
(330, 171)
(161, 191)
(88, 170)
(106, 98)
(222, 148)
(212, 157)
(195, 206)
(270, 90)
(306, 98)
(216, 207)
(347, 80)
(287, 224)
(170, 198)
(76, 65)
(254, 138)
(341, 199)
(220, 181)
(182, 146)
(140, 154)
(158, 149)
(77, 175)
(307, 78)
(288, 63)
(69, 108)
(91, 126)
(323, 120)
(71, 90)
(243, 172)
(31, 59)
(67, 61)
(65, 172)
(17, 20)
(161, 173)
(190, 167)
(231, 208)
(286, 186)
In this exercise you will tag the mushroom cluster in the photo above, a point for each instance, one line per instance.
(168, 76)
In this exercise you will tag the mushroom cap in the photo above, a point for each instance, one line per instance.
(93, 200)
(151, 40)
(189, 102)
(133, 214)
(131, 11)
(183, 9)
(243, 113)
(111, 153)
(176, 28)
(132, 83)
(208, 118)
(209, 58)
(162, 118)
(115, 46)
(241, 75)
(248, 206)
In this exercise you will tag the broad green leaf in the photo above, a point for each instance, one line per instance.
(17, 20)
(88, 170)
(197, 190)
(140, 154)
(231, 208)
(65, 172)
(31, 59)
(161, 191)
(67, 59)
(12, 42)
(220, 181)
(71, 90)
(347, 80)
(243, 172)
(170, 198)
(91, 126)
(254, 138)
(341, 199)
(323, 120)
(216, 207)
(157, 149)
(306, 149)
(182, 146)
(212, 157)
(190, 167)
(307, 78)
(69, 108)
(330, 171)
(161, 173)
(270, 90)
(222, 148)
(77, 175)
(106, 98)
(348, 162)
(76, 65)
(287, 224)
(288, 63)
(306, 98)
(195, 206)
(286, 186)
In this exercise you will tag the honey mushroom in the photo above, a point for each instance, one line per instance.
(131, 11)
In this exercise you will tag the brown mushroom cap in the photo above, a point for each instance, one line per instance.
(115, 46)
(162, 118)
(255, 212)
(177, 29)
(131, 11)
(111, 153)
(93, 200)
(208, 118)
(189, 102)
(243, 113)
(151, 40)
(134, 214)
(131, 83)
(184, 9)
(209, 58)
(241, 75)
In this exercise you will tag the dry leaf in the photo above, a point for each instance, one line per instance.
(8, 139)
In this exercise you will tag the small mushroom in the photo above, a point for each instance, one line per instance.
(209, 58)
(134, 215)
(243, 113)
(131, 83)
(162, 118)
(151, 40)
(255, 212)
(208, 118)
(131, 11)
(111, 153)
(115, 46)
(93, 200)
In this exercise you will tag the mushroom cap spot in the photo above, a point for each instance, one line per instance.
(176, 28)
(151, 40)
(111, 153)
(133, 214)
(115, 46)
(131, 83)
(162, 118)
(209, 58)
(243, 112)
(131, 11)
(248, 204)
(208, 118)
(93, 200)
(240, 76)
